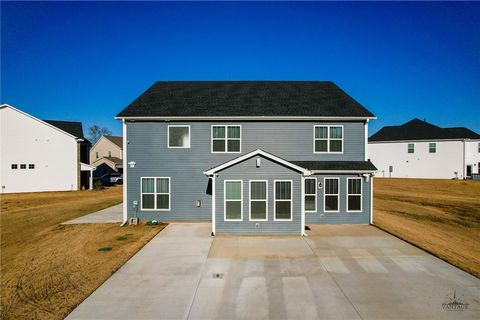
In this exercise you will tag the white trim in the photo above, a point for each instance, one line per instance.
(310, 194)
(278, 118)
(371, 200)
(225, 201)
(302, 202)
(179, 126)
(354, 194)
(252, 154)
(331, 194)
(343, 171)
(328, 126)
(213, 205)
(258, 200)
(125, 184)
(155, 193)
(275, 200)
(226, 138)
(424, 140)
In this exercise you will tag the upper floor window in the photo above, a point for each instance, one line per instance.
(14, 166)
(23, 166)
(411, 148)
(479, 147)
(109, 153)
(31, 166)
(432, 147)
(328, 139)
(96, 154)
(226, 139)
(178, 136)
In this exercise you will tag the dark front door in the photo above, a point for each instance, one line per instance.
(469, 170)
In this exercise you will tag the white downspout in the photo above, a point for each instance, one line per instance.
(302, 188)
(125, 182)
(371, 199)
(213, 203)
(464, 160)
(366, 140)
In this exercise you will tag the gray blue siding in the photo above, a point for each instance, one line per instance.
(147, 147)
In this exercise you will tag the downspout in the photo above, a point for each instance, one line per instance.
(302, 201)
(464, 160)
(371, 199)
(366, 140)
(125, 182)
(213, 204)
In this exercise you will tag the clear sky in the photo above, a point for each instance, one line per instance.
(87, 61)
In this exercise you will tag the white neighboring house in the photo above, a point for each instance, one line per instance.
(38, 156)
(418, 149)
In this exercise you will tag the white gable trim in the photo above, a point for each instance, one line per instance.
(267, 155)
(43, 122)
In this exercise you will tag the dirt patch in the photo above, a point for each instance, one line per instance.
(47, 268)
(440, 216)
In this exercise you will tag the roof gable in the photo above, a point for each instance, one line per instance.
(73, 127)
(118, 141)
(244, 99)
(421, 130)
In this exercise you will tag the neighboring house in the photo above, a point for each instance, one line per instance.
(41, 155)
(107, 154)
(253, 157)
(418, 149)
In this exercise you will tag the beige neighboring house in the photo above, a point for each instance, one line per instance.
(106, 155)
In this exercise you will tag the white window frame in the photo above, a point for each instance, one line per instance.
(275, 200)
(355, 194)
(435, 146)
(226, 138)
(310, 194)
(225, 201)
(155, 193)
(179, 126)
(259, 200)
(408, 148)
(329, 139)
(325, 194)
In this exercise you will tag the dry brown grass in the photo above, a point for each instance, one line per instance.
(440, 216)
(47, 268)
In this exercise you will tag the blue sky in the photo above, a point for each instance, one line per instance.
(87, 61)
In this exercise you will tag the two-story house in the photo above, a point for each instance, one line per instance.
(106, 155)
(252, 157)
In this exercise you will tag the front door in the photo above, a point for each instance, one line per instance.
(469, 170)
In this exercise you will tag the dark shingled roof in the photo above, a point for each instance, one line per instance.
(244, 98)
(116, 140)
(72, 127)
(421, 130)
(336, 165)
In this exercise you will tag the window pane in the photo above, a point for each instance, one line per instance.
(354, 186)
(259, 209)
(321, 145)
(219, 145)
(282, 190)
(162, 201)
(310, 187)
(321, 133)
(147, 185)
(411, 148)
(331, 186)
(432, 147)
(354, 203)
(162, 185)
(233, 145)
(234, 132)
(148, 201)
(179, 137)
(232, 191)
(282, 210)
(233, 209)
(335, 132)
(331, 203)
(335, 145)
(218, 132)
(258, 190)
(310, 203)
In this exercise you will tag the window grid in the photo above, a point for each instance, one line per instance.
(14, 166)
(254, 198)
(23, 166)
(155, 193)
(229, 138)
(354, 191)
(31, 166)
(233, 200)
(411, 148)
(311, 192)
(331, 191)
(329, 137)
(432, 147)
(282, 196)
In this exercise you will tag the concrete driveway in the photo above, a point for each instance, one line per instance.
(338, 272)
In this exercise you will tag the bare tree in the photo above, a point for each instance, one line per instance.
(95, 133)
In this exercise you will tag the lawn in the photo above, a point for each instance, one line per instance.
(439, 216)
(46, 268)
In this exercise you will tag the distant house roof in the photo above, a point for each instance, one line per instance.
(336, 165)
(245, 99)
(72, 127)
(115, 160)
(421, 130)
(116, 140)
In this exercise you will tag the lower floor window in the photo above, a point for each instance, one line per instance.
(354, 194)
(233, 200)
(331, 194)
(310, 194)
(155, 193)
(283, 200)
(258, 200)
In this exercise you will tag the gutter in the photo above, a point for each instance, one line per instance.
(276, 118)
